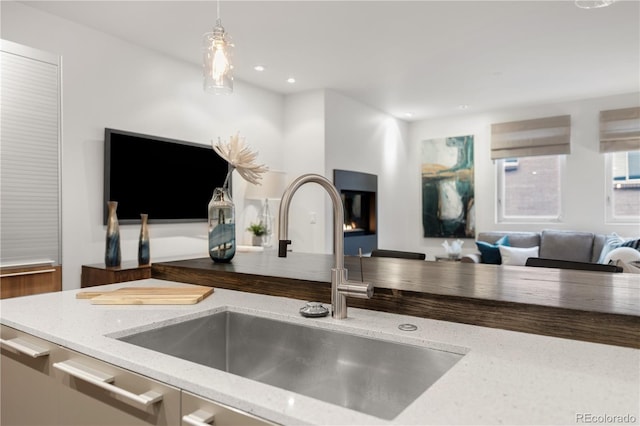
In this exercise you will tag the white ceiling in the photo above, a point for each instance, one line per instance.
(427, 57)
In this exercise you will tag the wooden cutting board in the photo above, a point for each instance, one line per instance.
(148, 295)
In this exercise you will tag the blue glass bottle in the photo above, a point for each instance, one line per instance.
(112, 247)
(144, 253)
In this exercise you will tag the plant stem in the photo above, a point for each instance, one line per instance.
(226, 179)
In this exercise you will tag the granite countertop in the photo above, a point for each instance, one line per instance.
(505, 377)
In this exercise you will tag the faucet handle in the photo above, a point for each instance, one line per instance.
(282, 247)
(361, 290)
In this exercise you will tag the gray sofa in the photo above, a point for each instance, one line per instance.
(554, 244)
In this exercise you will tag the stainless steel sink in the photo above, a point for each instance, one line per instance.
(373, 376)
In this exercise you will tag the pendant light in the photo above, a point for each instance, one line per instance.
(217, 67)
(593, 4)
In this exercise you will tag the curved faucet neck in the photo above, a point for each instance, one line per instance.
(338, 212)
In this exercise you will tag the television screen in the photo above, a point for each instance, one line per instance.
(170, 180)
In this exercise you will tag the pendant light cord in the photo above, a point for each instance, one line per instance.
(218, 9)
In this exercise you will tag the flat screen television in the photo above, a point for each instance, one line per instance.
(170, 180)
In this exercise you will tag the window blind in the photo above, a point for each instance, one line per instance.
(620, 130)
(541, 136)
(29, 155)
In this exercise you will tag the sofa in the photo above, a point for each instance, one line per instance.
(571, 246)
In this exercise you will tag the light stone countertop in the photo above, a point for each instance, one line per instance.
(504, 378)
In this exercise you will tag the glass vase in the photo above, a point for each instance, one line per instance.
(112, 247)
(144, 253)
(222, 227)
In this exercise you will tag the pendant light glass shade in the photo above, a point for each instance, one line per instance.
(593, 4)
(216, 55)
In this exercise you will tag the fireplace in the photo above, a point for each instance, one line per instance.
(359, 199)
(359, 212)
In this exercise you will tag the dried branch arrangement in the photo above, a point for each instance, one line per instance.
(241, 158)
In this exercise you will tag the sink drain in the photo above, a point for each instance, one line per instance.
(408, 327)
(314, 310)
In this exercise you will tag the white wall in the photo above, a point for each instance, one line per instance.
(584, 191)
(304, 152)
(108, 82)
(363, 139)
(325, 130)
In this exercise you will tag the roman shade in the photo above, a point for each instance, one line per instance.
(541, 136)
(620, 130)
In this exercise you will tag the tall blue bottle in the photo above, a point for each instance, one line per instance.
(112, 249)
(144, 251)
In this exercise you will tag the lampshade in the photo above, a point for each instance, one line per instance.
(216, 60)
(593, 4)
(273, 185)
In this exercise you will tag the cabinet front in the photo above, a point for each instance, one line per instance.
(45, 384)
(197, 411)
(93, 392)
(29, 280)
(30, 178)
(27, 388)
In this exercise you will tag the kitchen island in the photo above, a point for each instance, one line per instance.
(505, 377)
(582, 305)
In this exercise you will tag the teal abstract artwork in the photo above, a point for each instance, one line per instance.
(448, 187)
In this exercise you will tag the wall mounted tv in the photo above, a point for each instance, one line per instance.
(170, 180)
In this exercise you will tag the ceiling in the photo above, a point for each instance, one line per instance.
(423, 57)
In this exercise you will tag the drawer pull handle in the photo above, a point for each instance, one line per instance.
(18, 274)
(25, 347)
(103, 381)
(199, 418)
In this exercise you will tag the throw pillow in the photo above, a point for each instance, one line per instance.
(490, 252)
(613, 242)
(634, 244)
(516, 255)
(624, 254)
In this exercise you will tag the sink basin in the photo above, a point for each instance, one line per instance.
(373, 376)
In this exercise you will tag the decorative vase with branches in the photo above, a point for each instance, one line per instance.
(222, 228)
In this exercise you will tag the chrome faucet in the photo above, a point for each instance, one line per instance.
(341, 287)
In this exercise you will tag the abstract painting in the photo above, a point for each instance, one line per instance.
(447, 187)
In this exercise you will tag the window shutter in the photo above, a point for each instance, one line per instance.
(620, 130)
(542, 136)
(29, 155)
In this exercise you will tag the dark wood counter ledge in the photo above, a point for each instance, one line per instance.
(591, 306)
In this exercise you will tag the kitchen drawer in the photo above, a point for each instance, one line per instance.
(27, 280)
(93, 392)
(28, 389)
(197, 411)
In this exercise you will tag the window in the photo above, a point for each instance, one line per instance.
(529, 188)
(623, 186)
(530, 158)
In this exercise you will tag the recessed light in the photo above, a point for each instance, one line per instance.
(463, 106)
(291, 80)
(408, 114)
(258, 68)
